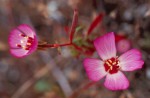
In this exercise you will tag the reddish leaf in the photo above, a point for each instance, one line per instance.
(74, 24)
(95, 23)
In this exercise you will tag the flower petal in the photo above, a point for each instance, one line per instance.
(18, 52)
(116, 81)
(105, 46)
(14, 38)
(27, 30)
(94, 69)
(131, 60)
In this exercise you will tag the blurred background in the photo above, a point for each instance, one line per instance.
(57, 73)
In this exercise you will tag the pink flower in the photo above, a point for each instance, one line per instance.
(22, 41)
(123, 45)
(111, 65)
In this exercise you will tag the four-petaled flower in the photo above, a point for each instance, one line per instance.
(112, 65)
(22, 41)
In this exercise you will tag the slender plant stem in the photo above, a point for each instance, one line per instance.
(54, 45)
(74, 25)
(29, 82)
(60, 45)
(72, 31)
(82, 89)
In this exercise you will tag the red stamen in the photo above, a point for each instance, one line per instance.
(18, 45)
(111, 65)
(29, 41)
(23, 35)
(27, 48)
(28, 44)
(30, 38)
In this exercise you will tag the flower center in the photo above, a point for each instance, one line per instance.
(111, 65)
(26, 42)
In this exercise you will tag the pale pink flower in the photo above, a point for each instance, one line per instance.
(123, 45)
(111, 65)
(22, 41)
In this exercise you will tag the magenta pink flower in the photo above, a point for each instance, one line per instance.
(111, 65)
(22, 41)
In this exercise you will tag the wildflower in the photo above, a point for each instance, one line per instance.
(22, 41)
(111, 65)
(123, 45)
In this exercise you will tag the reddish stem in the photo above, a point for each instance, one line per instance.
(81, 89)
(77, 47)
(74, 24)
(60, 45)
(54, 45)
(72, 31)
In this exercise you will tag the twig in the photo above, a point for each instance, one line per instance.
(31, 81)
(62, 81)
(81, 89)
(57, 74)
(74, 24)
(49, 66)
